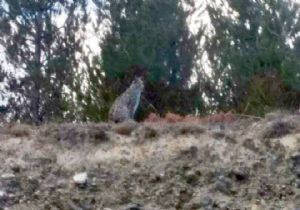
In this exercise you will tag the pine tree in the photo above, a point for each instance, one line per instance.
(251, 39)
(149, 38)
(43, 54)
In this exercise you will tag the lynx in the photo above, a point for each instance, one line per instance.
(125, 106)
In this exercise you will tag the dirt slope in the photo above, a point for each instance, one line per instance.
(152, 166)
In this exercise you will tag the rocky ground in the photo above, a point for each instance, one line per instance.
(246, 164)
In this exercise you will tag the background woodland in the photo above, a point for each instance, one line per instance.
(223, 55)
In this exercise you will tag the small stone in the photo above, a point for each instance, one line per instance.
(2, 194)
(191, 177)
(230, 138)
(298, 184)
(124, 161)
(80, 178)
(206, 201)
(218, 134)
(255, 207)
(156, 177)
(200, 202)
(277, 129)
(7, 176)
(94, 182)
(240, 174)
(134, 207)
(16, 168)
(295, 164)
(224, 185)
(190, 152)
(126, 127)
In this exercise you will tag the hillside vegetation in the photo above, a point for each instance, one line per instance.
(246, 164)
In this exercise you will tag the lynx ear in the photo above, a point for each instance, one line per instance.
(140, 78)
(137, 78)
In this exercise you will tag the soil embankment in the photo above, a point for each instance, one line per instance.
(245, 164)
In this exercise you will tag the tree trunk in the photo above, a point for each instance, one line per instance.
(36, 95)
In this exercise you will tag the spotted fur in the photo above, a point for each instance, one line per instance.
(126, 104)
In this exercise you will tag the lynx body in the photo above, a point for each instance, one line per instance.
(125, 106)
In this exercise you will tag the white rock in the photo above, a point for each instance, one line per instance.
(7, 176)
(2, 193)
(80, 178)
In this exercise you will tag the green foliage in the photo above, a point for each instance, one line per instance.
(253, 38)
(43, 53)
(147, 33)
(265, 92)
(253, 51)
(149, 38)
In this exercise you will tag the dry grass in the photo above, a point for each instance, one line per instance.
(149, 141)
(129, 154)
(125, 128)
(278, 129)
(129, 141)
(221, 117)
(74, 134)
(18, 130)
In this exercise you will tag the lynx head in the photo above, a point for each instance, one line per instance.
(137, 83)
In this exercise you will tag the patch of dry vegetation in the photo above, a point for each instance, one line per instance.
(125, 128)
(177, 165)
(18, 130)
(278, 128)
(228, 117)
(74, 134)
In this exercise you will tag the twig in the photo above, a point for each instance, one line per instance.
(151, 105)
(249, 116)
(73, 206)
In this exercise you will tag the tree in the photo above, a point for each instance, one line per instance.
(3, 107)
(149, 38)
(43, 52)
(254, 39)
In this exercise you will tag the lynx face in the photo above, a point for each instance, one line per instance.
(138, 84)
